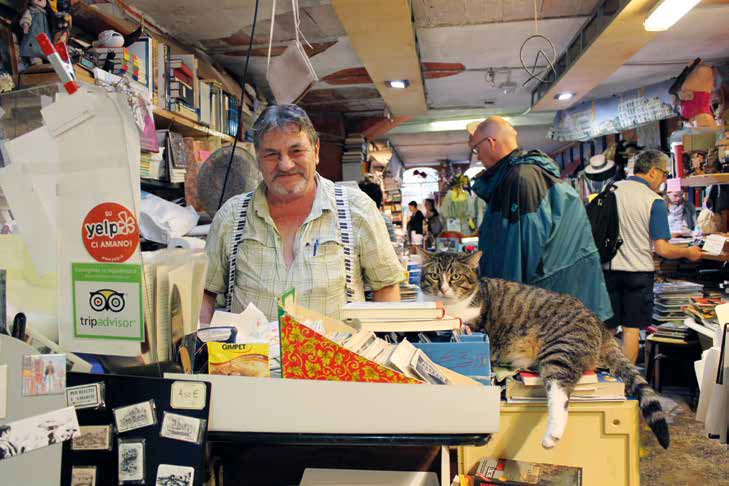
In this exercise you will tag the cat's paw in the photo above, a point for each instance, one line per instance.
(549, 441)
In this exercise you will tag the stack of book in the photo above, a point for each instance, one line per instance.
(399, 317)
(117, 60)
(152, 166)
(182, 94)
(354, 157)
(670, 298)
(673, 332)
(528, 387)
(408, 292)
(703, 310)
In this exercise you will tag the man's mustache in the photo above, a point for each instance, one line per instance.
(283, 174)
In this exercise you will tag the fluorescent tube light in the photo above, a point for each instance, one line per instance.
(398, 83)
(666, 13)
(564, 96)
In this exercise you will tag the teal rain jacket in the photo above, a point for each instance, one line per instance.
(535, 230)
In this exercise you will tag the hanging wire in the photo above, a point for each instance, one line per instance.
(240, 106)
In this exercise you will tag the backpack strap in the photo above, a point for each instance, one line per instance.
(239, 223)
(344, 221)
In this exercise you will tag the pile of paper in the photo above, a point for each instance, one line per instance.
(173, 284)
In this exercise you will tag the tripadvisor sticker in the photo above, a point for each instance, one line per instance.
(110, 233)
(107, 301)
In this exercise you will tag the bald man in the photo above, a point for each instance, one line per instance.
(535, 229)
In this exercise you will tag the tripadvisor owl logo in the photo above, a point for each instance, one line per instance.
(106, 299)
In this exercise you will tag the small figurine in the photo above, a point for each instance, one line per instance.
(34, 21)
(698, 159)
(62, 21)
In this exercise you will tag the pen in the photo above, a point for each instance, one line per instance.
(316, 243)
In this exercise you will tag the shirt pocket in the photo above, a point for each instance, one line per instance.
(327, 274)
(256, 267)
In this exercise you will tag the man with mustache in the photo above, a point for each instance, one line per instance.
(290, 234)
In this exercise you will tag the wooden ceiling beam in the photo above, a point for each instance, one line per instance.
(382, 35)
(620, 40)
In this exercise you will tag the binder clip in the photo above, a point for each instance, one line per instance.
(58, 57)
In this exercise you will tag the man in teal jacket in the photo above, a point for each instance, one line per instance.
(535, 229)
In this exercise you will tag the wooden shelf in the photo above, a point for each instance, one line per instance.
(44, 75)
(705, 180)
(164, 119)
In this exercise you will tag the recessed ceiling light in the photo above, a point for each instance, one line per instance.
(398, 83)
(564, 96)
(666, 13)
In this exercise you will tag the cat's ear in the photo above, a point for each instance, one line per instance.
(473, 260)
(424, 254)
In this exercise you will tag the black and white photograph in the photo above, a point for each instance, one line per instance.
(38, 431)
(93, 438)
(169, 475)
(181, 427)
(83, 476)
(90, 395)
(425, 369)
(131, 461)
(133, 417)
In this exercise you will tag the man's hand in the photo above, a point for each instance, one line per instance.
(207, 309)
(694, 253)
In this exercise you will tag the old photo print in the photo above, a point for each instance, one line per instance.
(169, 475)
(181, 427)
(93, 438)
(426, 370)
(133, 417)
(83, 476)
(44, 374)
(38, 431)
(131, 461)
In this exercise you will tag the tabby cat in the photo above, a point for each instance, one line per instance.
(532, 327)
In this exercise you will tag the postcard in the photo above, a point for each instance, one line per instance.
(131, 461)
(44, 374)
(135, 416)
(182, 427)
(93, 438)
(39, 431)
(169, 475)
(83, 476)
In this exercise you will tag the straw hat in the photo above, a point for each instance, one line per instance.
(599, 164)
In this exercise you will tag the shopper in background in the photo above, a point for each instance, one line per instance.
(681, 214)
(714, 217)
(433, 224)
(291, 237)
(535, 229)
(643, 228)
(415, 224)
(374, 191)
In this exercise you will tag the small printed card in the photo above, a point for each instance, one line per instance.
(44, 374)
(93, 438)
(169, 475)
(133, 417)
(85, 396)
(83, 476)
(187, 395)
(131, 461)
(182, 427)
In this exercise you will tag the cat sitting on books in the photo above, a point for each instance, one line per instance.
(530, 327)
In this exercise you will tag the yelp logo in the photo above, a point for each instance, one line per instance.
(126, 224)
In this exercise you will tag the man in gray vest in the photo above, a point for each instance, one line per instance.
(292, 234)
(644, 229)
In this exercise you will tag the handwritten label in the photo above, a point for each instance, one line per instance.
(187, 395)
(85, 396)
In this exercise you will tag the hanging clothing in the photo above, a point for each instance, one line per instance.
(535, 230)
(458, 205)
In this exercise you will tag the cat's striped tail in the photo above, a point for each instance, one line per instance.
(635, 385)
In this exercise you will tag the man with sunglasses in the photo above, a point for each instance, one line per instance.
(535, 229)
(644, 228)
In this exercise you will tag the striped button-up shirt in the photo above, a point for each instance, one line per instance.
(317, 270)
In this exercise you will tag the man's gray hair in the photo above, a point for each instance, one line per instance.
(278, 116)
(648, 159)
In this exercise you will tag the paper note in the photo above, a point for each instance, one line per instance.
(187, 395)
(673, 185)
(714, 244)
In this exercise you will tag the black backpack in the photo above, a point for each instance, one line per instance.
(602, 212)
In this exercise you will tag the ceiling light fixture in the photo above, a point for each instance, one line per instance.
(398, 83)
(564, 96)
(666, 13)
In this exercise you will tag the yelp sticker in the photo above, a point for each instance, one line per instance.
(110, 233)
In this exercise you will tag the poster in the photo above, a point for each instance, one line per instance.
(107, 301)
